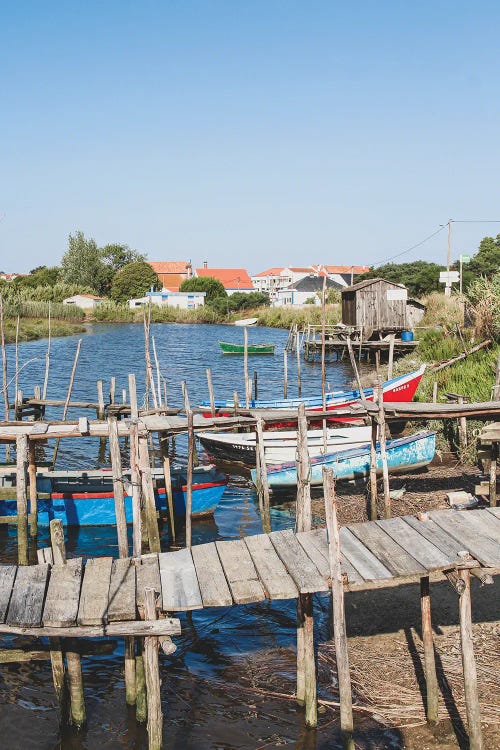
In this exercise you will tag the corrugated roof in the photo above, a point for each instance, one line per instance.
(231, 278)
(369, 282)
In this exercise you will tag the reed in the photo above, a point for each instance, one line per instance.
(36, 309)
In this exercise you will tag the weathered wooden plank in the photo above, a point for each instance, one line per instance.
(139, 628)
(367, 565)
(390, 554)
(7, 577)
(300, 567)
(435, 534)
(420, 548)
(179, 583)
(63, 594)
(211, 579)
(240, 571)
(481, 547)
(147, 575)
(316, 547)
(272, 572)
(485, 524)
(95, 589)
(28, 593)
(121, 598)
(495, 512)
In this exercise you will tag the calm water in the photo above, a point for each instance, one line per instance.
(202, 704)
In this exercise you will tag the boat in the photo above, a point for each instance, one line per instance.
(280, 446)
(228, 348)
(400, 388)
(403, 454)
(246, 322)
(86, 498)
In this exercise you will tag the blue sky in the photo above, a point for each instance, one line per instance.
(248, 133)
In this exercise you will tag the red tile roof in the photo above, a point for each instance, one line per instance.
(231, 278)
(343, 269)
(169, 266)
(172, 281)
(269, 272)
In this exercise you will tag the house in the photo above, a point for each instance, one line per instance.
(232, 279)
(375, 306)
(180, 300)
(297, 294)
(172, 272)
(274, 279)
(11, 276)
(343, 275)
(85, 301)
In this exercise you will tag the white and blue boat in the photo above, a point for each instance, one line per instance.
(403, 454)
(86, 498)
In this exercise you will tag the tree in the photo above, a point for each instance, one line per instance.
(486, 262)
(82, 263)
(117, 256)
(213, 288)
(133, 280)
(40, 276)
(420, 276)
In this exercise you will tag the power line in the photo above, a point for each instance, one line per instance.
(413, 247)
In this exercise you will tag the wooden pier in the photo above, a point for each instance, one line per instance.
(337, 344)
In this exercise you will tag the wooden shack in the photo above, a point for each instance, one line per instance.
(375, 306)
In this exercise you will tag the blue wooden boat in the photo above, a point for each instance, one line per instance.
(403, 454)
(86, 498)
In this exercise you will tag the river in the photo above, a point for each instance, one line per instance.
(221, 651)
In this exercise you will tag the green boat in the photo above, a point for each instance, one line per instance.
(240, 349)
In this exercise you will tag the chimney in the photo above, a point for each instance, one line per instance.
(205, 264)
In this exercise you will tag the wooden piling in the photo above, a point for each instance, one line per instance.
(285, 373)
(306, 668)
(118, 490)
(75, 683)
(112, 389)
(236, 402)
(158, 377)
(57, 542)
(339, 624)
(141, 710)
(134, 468)
(245, 364)
(4, 375)
(150, 381)
(493, 475)
(58, 674)
(33, 490)
(355, 368)
(431, 682)
(47, 360)
(211, 391)
(189, 487)
(469, 664)
(68, 397)
(22, 499)
(264, 484)
(148, 494)
(391, 356)
(130, 677)
(152, 672)
(462, 428)
(168, 484)
(255, 385)
(434, 392)
(383, 451)
(100, 400)
(373, 470)
(185, 396)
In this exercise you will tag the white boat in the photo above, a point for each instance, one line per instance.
(280, 447)
(246, 322)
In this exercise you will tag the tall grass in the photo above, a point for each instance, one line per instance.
(32, 309)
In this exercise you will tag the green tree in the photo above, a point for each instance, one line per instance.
(82, 263)
(486, 262)
(133, 280)
(213, 288)
(420, 277)
(40, 276)
(117, 256)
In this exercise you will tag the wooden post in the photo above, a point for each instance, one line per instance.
(236, 402)
(285, 374)
(150, 381)
(245, 364)
(112, 389)
(168, 484)
(429, 657)
(124, 396)
(16, 358)
(141, 710)
(157, 366)
(306, 668)
(100, 400)
(148, 494)
(189, 488)
(377, 361)
(354, 367)
(22, 499)
(493, 475)
(47, 361)
(299, 379)
(116, 468)
(462, 428)
(152, 673)
(373, 470)
(134, 468)
(383, 451)
(57, 542)
(255, 386)
(264, 484)
(58, 673)
(339, 625)
(68, 397)
(469, 664)
(75, 683)
(33, 490)
(210, 391)
(434, 392)
(4, 375)
(130, 677)
(391, 356)
(185, 396)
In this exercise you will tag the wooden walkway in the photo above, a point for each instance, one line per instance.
(105, 597)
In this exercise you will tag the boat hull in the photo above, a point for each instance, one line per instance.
(228, 348)
(403, 454)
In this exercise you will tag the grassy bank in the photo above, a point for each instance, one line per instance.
(274, 317)
(31, 329)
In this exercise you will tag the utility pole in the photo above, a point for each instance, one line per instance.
(447, 289)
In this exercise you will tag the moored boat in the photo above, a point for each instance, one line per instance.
(246, 322)
(403, 454)
(229, 348)
(86, 498)
(280, 447)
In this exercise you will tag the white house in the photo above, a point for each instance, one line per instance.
(85, 301)
(307, 288)
(165, 298)
(275, 279)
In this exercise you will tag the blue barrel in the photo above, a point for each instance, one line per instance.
(407, 336)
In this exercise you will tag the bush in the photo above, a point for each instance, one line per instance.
(484, 297)
(133, 280)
